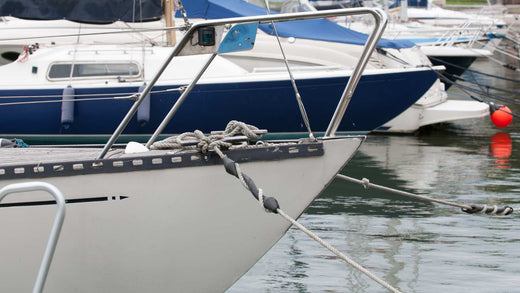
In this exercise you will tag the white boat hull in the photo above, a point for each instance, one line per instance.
(160, 230)
(451, 110)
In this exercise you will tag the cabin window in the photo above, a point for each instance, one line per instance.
(63, 70)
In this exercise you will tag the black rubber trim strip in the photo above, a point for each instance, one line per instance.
(147, 162)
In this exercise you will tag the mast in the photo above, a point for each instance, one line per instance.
(169, 22)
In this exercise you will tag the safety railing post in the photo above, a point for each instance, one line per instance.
(56, 227)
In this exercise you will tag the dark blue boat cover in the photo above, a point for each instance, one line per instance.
(418, 3)
(411, 3)
(315, 29)
(88, 11)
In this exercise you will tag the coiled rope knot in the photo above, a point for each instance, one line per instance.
(489, 210)
(209, 142)
(205, 143)
(236, 127)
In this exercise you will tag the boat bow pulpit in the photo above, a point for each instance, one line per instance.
(206, 38)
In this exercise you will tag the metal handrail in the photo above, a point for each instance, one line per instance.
(380, 20)
(56, 227)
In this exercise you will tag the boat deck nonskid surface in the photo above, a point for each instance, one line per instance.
(22, 156)
(35, 155)
(41, 162)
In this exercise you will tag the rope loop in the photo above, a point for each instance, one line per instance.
(236, 127)
(202, 143)
(488, 210)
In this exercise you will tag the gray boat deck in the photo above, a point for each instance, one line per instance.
(22, 156)
(42, 155)
(54, 161)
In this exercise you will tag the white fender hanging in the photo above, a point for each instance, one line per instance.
(67, 106)
(143, 112)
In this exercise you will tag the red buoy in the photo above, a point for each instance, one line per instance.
(502, 117)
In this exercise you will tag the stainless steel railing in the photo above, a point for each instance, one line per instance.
(380, 21)
(56, 227)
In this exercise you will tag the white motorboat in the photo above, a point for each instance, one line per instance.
(424, 113)
(429, 13)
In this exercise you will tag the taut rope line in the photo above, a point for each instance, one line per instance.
(470, 209)
(270, 204)
(197, 140)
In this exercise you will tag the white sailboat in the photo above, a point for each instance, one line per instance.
(247, 82)
(434, 106)
(165, 220)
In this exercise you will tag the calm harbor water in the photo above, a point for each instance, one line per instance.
(415, 246)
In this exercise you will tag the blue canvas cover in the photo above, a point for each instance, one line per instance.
(315, 29)
(418, 3)
(411, 3)
(88, 11)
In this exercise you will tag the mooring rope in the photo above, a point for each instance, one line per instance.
(465, 89)
(270, 204)
(472, 70)
(204, 143)
(482, 92)
(444, 78)
(484, 89)
(497, 49)
(216, 142)
(337, 252)
(470, 209)
(487, 87)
